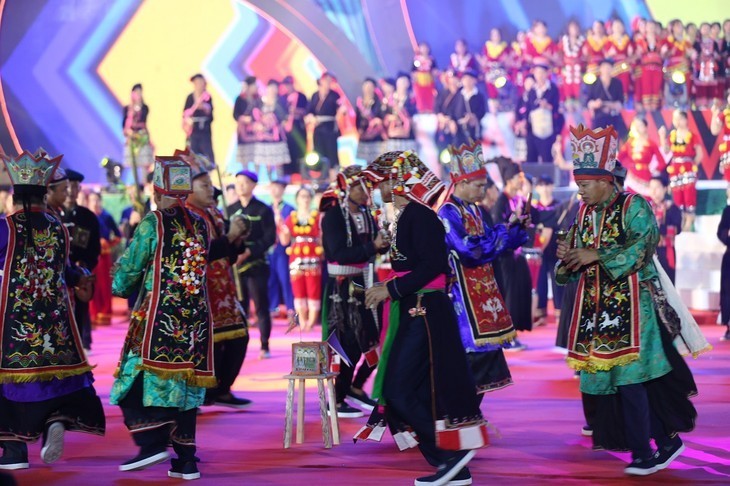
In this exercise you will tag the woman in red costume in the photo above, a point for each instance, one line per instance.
(649, 75)
(461, 59)
(494, 63)
(594, 49)
(641, 157)
(686, 150)
(539, 46)
(305, 258)
(423, 74)
(676, 51)
(571, 75)
(621, 50)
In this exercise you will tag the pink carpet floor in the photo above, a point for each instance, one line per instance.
(538, 420)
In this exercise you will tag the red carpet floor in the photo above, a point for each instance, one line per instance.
(539, 421)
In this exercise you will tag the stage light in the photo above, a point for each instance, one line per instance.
(678, 77)
(500, 82)
(445, 156)
(589, 78)
(311, 159)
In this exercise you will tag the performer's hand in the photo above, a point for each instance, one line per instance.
(375, 295)
(380, 242)
(134, 218)
(563, 249)
(580, 257)
(243, 257)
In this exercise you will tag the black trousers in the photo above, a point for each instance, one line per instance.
(83, 321)
(641, 423)
(547, 272)
(344, 380)
(201, 143)
(540, 150)
(407, 388)
(725, 289)
(229, 356)
(161, 425)
(255, 285)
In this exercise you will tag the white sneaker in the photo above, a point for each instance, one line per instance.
(52, 449)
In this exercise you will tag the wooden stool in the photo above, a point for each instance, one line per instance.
(327, 378)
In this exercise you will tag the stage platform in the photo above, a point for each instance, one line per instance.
(539, 421)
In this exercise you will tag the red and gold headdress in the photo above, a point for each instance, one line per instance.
(172, 176)
(467, 162)
(594, 152)
(411, 178)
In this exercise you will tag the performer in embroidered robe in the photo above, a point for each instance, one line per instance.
(166, 361)
(474, 243)
(351, 240)
(669, 222)
(230, 326)
(720, 125)
(427, 395)
(620, 334)
(45, 380)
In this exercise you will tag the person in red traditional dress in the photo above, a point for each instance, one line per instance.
(305, 258)
(686, 151)
(539, 46)
(571, 74)
(424, 74)
(676, 51)
(649, 75)
(720, 125)
(100, 306)
(594, 50)
(461, 59)
(518, 67)
(495, 62)
(707, 69)
(641, 157)
(621, 50)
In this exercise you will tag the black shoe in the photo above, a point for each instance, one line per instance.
(232, 401)
(145, 459)
(346, 411)
(448, 471)
(642, 467)
(11, 459)
(726, 337)
(461, 479)
(665, 455)
(587, 431)
(186, 470)
(362, 399)
(52, 449)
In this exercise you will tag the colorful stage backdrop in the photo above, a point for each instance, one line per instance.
(66, 66)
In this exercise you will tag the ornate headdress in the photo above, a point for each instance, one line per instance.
(31, 173)
(172, 176)
(199, 164)
(594, 152)
(467, 162)
(340, 188)
(411, 178)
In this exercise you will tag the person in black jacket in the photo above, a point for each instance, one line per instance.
(723, 233)
(197, 118)
(83, 226)
(540, 135)
(351, 240)
(470, 108)
(253, 263)
(606, 100)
